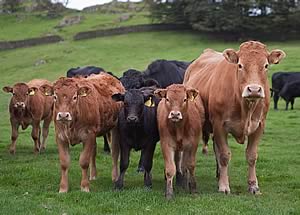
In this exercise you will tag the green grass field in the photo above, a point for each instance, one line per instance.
(29, 183)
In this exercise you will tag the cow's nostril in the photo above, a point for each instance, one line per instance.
(259, 89)
(67, 115)
(249, 89)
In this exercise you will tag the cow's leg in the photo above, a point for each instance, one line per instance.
(223, 156)
(45, 131)
(190, 163)
(84, 160)
(124, 163)
(148, 162)
(287, 104)
(275, 98)
(115, 150)
(217, 165)
(35, 134)
(178, 164)
(205, 139)
(170, 168)
(64, 158)
(251, 156)
(140, 165)
(292, 103)
(93, 170)
(14, 136)
(106, 147)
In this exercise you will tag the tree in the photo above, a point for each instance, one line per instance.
(245, 17)
(10, 6)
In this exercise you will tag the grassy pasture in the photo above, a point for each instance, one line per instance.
(29, 183)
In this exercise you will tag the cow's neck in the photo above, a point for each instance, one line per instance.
(252, 112)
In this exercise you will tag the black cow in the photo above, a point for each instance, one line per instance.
(289, 92)
(85, 72)
(166, 72)
(279, 79)
(137, 129)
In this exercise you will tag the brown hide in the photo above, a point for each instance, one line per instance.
(83, 109)
(235, 90)
(180, 116)
(36, 107)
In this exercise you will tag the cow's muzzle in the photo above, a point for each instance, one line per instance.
(20, 105)
(175, 116)
(132, 119)
(63, 116)
(253, 91)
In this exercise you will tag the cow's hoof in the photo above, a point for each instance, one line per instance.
(118, 185)
(12, 151)
(169, 196)
(225, 190)
(63, 190)
(140, 169)
(85, 189)
(43, 149)
(92, 178)
(254, 190)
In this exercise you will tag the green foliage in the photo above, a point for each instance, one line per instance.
(29, 183)
(247, 17)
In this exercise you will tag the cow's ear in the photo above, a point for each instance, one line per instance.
(150, 83)
(84, 91)
(160, 93)
(231, 56)
(118, 97)
(191, 94)
(47, 90)
(32, 91)
(275, 56)
(7, 89)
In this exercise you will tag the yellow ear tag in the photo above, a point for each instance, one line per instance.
(149, 103)
(31, 93)
(47, 94)
(84, 94)
(192, 98)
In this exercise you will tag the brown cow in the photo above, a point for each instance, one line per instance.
(28, 106)
(83, 110)
(235, 90)
(180, 116)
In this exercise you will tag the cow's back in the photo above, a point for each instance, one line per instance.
(107, 85)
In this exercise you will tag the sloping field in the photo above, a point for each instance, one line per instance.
(29, 183)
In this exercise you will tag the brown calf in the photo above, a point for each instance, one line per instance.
(28, 106)
(83, 110)
(180, 117)
(235, 91)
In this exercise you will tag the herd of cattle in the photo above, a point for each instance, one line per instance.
(174, 102)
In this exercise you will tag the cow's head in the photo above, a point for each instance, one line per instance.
(252, 62)
(176, 98)
(134, 102)
(21, 93)
(66, 93)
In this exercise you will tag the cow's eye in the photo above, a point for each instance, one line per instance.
(14, 94)
(184, 100)
(240, 66)
(266, 66)
(167, 100)
(74, 98)
(55, 97)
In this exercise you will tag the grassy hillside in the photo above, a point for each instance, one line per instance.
(29, 184)
(27, 25)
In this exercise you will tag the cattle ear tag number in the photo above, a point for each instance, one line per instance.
(150, 103)
(32, 92)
